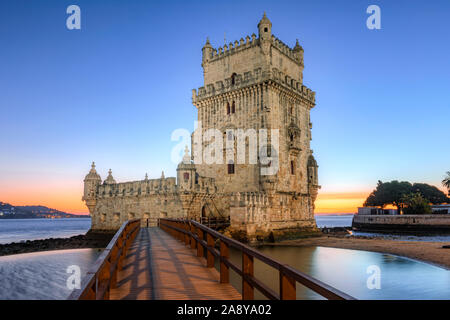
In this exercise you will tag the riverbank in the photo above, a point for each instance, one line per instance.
(430, 252)
(88, 240)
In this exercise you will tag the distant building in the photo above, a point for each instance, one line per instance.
(376, 211)
(440, 208)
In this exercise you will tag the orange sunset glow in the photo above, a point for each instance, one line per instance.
(340, 202)
(67, 198)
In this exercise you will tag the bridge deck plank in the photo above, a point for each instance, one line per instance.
(158, 266)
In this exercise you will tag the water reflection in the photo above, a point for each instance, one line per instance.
(346, 270)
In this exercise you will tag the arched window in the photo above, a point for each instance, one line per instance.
(186, 175)
(204, 211)
(233, 79)
(233, 107)
(228, 108)
(292, 167)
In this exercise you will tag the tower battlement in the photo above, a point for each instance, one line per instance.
(232, 48)
(252, 58)
(250, 78)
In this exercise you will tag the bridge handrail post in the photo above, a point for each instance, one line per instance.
(209, 254)
(191, 236)
(182, 235)
(287, 286)
(247, 271)
(187, 239)
(224, 269)
(200, 251)
(114, 258)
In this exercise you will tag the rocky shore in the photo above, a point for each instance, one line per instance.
(88, 240)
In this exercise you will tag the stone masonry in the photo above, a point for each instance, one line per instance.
(251, 84)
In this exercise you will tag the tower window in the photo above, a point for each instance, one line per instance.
(230, 168)
(265, 29)
(233, 107)
(292, 167)
(233, 79)
(291, 136)
(228, 108)
(186, 176)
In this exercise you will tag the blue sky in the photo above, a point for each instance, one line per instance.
(115, 90)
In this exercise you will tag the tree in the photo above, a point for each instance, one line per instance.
(446, 182)
(430, 193)
(389, 193)
(415, 203)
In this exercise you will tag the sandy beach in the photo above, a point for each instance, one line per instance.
(431, 252)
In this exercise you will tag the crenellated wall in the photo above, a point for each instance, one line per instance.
(254, 83)
(250, 78)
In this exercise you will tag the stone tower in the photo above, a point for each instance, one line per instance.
(251, 158)
(257, 83)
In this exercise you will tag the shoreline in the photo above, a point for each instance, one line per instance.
(423, 251)
(82, 241)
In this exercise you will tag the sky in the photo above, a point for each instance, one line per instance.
(115, 90)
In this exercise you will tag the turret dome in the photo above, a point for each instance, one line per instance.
(265, 21)
(93, 175)
(110, 179)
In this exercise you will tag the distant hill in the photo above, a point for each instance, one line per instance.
(8, 211)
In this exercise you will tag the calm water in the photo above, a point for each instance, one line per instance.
(346, 270)
(334, 220)
(16, 230)
(41, 275)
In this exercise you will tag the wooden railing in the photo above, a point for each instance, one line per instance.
(214, 222)
(204, 239)
(102, 276)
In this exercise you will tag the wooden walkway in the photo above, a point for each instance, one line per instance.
(158, 266)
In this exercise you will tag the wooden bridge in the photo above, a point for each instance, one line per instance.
(177, 261)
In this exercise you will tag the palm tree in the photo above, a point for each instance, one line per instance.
(446, 181)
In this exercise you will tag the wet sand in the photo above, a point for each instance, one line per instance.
(431, 252)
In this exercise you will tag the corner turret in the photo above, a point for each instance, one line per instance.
(91, 183)
(109, 179)
(298, 52)
(186, 172)
(206, 52)
(313, 180)
(265, 29)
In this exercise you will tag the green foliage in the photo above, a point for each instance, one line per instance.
(446, 182)
(415, 203)
(388, 193)
(431, 193)
(393, 193)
